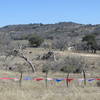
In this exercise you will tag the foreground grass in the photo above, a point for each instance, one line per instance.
(36, 92)
(32, 90)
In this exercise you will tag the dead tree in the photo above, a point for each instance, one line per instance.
(16, 53)
(29, 62)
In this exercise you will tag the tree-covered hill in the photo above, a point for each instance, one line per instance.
(63, 30)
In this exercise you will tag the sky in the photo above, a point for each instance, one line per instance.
(49, 11)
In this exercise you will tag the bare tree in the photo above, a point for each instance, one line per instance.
(19, 53)
(60, 44)
(10, 49)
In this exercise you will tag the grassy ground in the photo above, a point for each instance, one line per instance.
(33, 90)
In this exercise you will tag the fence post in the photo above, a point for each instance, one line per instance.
(46, 78)
(84, 75)
(20, 81)
(67, 79)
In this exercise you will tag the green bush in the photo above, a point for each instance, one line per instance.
(90, 42)
(35, 40)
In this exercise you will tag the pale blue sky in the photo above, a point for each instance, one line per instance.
(49, 11)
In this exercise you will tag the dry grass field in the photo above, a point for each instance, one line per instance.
(36, 90)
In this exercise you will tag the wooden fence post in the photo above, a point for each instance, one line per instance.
(20, 81)
(67, 79)
(46, 79)
(84, 75)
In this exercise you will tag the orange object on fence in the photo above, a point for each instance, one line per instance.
(38, 79)
(69, 79)
(98, 79)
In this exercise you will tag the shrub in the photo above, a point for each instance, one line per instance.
(35, 41)
(68, 65)
(71, 64)
(90, 42)
(60, 44)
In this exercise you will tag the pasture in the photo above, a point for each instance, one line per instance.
(36, 90)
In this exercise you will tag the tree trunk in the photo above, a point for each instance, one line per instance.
(54, 57)
(46, 79)
(29, 62)
(20, 81)
(84, 75)
(67, 79)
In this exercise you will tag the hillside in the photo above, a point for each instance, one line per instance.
(62, 29)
